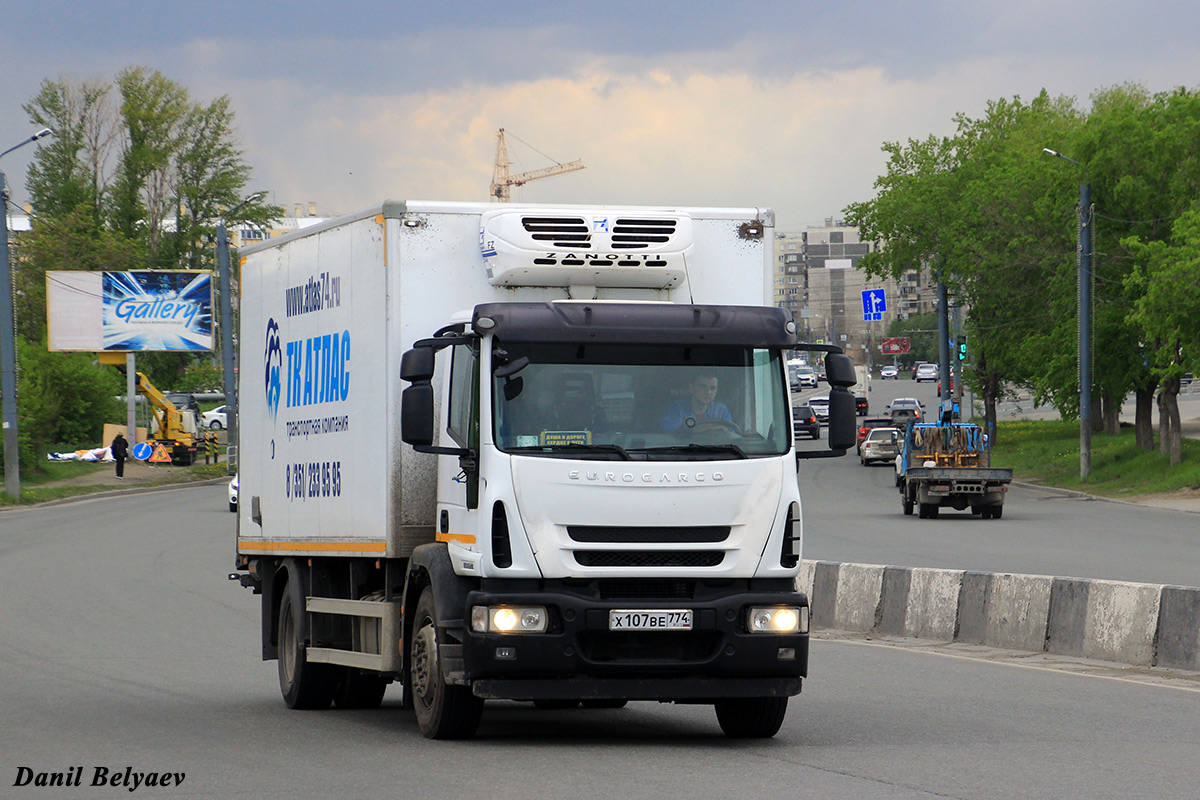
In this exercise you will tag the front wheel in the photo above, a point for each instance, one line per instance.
(443, 711)
(751, 717)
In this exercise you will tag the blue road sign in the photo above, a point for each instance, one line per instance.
(142, 451)
(874, 304)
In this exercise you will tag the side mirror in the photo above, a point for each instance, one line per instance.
(842, 418)
(417, 365)
(839, 371)
(416, 412)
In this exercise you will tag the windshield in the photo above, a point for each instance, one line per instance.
(617, 402)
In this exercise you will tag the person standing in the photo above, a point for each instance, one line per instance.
(120, 451)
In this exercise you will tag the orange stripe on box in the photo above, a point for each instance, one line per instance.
(324, 547)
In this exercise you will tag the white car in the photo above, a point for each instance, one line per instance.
(803, 377)
(214, 420)
(927, 372)
(820, 407)
(889, 372)
(233, 493)
(881, 444)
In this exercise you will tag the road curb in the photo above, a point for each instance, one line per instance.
(1145, 625)
(118, 491)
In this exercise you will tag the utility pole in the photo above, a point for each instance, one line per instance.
(8, 344)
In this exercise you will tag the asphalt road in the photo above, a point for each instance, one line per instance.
(124, 646)
(852, 513)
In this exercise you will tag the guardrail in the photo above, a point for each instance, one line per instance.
(1149, 625)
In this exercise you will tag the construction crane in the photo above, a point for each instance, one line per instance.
(502, 181)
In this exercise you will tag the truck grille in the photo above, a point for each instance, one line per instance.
(650, 647)
(649, 535)
(574, 232)
(649, 558)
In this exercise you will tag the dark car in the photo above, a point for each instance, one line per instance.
(869, 424)
(860, 405)
(804, 421)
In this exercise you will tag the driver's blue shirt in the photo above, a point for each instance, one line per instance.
(681, 410)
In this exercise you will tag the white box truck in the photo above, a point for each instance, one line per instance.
(535, 453)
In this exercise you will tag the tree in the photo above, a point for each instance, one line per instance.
(1167, 312)
(972, 207)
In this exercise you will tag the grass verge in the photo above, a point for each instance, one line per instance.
(59, 480)
(1047, 452)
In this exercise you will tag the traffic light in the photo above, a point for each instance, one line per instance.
(962, 348)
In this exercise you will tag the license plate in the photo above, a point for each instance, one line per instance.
(650, 620)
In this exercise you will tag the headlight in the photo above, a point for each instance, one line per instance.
(788, 619)
(509, 619)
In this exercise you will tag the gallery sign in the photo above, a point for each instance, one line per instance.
(130, 311)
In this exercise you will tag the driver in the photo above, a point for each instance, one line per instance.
(700, 411)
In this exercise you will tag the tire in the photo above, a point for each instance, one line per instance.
(997, 512)
(751, 717)
(817, 433)
(605, 703)
(233, 508)
(357, 689)
(906, 503)
(304, 685)
(985, 512)
(555, 705)
(862, 461)
(443, 711)
(933, 511)
(923, 510)
(215, 425)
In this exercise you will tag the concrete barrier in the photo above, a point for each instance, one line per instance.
(1130, 623)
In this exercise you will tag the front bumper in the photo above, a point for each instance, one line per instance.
(580, 658)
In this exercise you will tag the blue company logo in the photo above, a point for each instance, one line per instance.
(274, 362)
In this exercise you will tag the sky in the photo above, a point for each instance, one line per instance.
(768, 103)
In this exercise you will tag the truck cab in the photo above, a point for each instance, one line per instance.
(596, 464)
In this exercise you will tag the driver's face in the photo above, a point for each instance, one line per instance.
(704, 390)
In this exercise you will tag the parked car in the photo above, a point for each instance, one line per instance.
(804, 421)
(926, 372)
(233, 493)
(820, 407)
(889, 373)
(215, 419)
(860, 405)
(869, 424)
(803, 377)
(882, 444)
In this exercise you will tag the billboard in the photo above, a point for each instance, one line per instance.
(130, 311)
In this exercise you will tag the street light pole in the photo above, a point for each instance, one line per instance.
(227, 361)
(1084, 278)
(8, 344)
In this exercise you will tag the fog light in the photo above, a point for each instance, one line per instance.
(509, 619)
(506, 653)
(775, 620)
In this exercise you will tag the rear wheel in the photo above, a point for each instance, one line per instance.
(303, 685)
(357, 689)
(997, 512)
(906, 502)
(443, 711)
(751, 717)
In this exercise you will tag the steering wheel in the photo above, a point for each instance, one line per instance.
(711, 423)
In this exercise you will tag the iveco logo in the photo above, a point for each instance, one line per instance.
(646, 477)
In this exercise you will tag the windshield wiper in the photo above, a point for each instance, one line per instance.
(705, 448)
(607, 448)
(595, 448)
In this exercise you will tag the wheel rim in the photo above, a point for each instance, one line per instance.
(424, 662)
